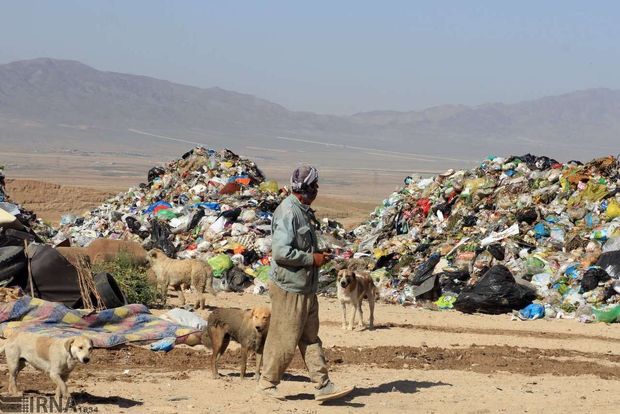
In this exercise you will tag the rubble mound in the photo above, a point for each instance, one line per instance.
(554, 226)
(216, 206)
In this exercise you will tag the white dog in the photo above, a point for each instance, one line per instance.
(57, 357)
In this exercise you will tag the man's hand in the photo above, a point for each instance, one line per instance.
(320, 259)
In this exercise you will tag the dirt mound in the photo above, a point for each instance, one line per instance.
(50, 201)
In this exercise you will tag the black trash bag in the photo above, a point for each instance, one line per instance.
(461, 274)
(449, 284)
(592, 277)
(133, 224)
(470, 221)
(249, 257)
(497, 251)
(425, 270)
(610, 261)
(235, 280)
(534, 162)
(231, 215)
(160, 238)
(196, 217)
(496, 292)
(388, 261)
(445, 208)
(268, 206)
(528, 215)
(154, 173)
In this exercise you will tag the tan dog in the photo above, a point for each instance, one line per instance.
(181, 274)
(248, 328)
(107, 250)
(352, 289)
(57, 357)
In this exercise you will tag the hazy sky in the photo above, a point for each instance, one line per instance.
(334, 56)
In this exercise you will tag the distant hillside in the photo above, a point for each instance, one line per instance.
(66, 107)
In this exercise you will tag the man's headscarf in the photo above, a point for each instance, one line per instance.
(303, 178)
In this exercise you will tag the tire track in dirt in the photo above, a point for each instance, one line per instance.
(483, 331)
(481, 359)
(110, 364)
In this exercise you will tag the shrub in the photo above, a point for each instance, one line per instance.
(132, 279)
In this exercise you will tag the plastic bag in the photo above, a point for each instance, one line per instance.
(154, 173)
(613, 210)
(220, 264)
(165, 344)
(185, 318)
(262, 273)
(610, 261)
(497, 251)
(471, 186)
(269, 186)
(532, 311)
(542, 281)
(592, 277)
(446, 302)
(235, 280)
(160, 235)
(496, 292)
(609, 316)
(535, 265)
(196, 217)
(425, 270)
(166, 214)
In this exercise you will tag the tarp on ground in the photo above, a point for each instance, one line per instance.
(108, 328)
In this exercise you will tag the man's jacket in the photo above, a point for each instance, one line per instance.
(294, 241)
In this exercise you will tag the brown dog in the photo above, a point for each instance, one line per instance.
(181, 274)
(248, 328)
(107, 250)
(352, 289)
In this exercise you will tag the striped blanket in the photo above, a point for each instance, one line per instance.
(108, 328)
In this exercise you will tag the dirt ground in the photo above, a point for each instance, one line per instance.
(416, 360)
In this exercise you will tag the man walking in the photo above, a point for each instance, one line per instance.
(294, 283)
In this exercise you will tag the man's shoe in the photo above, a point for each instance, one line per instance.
(271, 392)
(331, 392)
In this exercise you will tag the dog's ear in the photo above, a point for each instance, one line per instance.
(68, 344)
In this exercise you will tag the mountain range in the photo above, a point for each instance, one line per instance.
(51, 105)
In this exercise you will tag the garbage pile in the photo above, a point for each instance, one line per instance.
(216, 206)
(500, 236)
